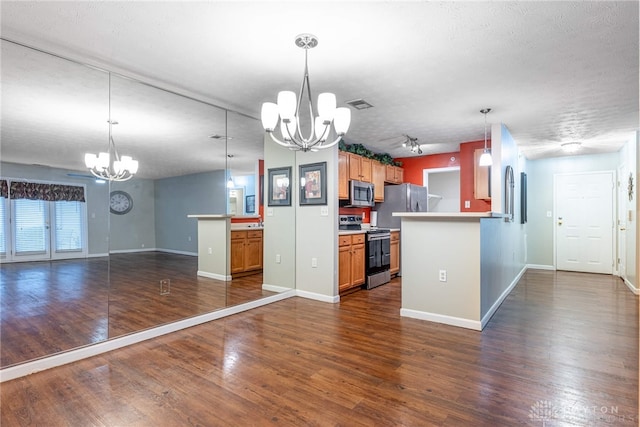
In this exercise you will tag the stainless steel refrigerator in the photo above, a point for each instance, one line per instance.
(400, 198)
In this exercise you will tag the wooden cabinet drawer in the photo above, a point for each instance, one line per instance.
(344, 240)
(238, 235)
(254, 233)
(357, 239)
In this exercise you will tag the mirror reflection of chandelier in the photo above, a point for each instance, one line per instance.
(109, 165)
(288, 112)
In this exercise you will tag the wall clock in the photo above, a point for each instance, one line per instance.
(120, 202)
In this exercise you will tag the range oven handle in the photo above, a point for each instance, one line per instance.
(383, 236)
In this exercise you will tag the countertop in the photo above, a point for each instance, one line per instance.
(246, 226)
(454, 216)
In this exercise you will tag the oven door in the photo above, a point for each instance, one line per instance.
(378, 253)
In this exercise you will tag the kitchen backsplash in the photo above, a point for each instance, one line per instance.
(357, 211)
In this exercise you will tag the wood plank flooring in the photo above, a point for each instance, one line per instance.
(48, 307)
(562, 350)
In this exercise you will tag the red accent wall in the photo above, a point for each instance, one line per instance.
(413, 169)
(413, 166)
(467, 179)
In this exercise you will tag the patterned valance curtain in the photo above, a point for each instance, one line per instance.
(4, 188)
(47, 192)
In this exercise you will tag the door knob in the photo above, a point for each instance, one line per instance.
(622, 229)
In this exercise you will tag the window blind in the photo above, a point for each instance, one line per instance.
(31, 231)
(69, 226)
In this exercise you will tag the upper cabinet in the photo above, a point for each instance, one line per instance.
(481, 177)
(343, 175)
(378, 175)
(394, 174)
(359, 168)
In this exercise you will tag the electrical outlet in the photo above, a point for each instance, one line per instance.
(278, 259)
(467, 204)
(210, 251)
(443, 275)
(324, 211)
(189, 238)
(314, 262)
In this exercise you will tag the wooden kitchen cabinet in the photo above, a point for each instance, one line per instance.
(343, 175)
(378, 172)
(394, 251)
(246, 252)
(394, 174)
(481, 177)
(359, 168)
(351, 271)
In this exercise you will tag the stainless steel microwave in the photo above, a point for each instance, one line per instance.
(361, 194)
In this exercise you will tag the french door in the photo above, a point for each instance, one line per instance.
(34, 230)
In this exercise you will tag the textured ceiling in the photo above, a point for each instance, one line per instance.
(552, 72)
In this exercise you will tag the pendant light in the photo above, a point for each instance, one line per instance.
(485, 158)
(230, 183)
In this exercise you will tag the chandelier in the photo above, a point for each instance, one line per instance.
(287, 110)
(109, 165)
(485, 158)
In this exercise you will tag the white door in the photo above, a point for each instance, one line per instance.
(31, 229)
(622, 221)
(584, 222)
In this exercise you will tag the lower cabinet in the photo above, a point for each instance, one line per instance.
(394, 252)
(351, 261)
(246, 252)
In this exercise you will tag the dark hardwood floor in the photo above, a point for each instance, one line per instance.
(52, 306)
(562, 350)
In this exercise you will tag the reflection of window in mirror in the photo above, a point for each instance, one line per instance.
(236, 201)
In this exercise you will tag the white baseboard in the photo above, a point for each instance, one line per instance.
(172, 251)
(60, 359)
(98, 255)
(214, 275)
(318, 297)
(540, 267)
(494, 307)
(441, 318)
(274, 288)
(631, 287)
(128, 251)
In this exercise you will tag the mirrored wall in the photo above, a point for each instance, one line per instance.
(77, 269)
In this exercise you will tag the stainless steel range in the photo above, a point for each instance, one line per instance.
(377, 250)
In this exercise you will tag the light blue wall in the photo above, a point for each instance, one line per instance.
(540, 200)
(134, 230)
(175, 198)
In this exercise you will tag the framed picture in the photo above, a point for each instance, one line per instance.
(250, 204)
(313, 184)
(278, 187)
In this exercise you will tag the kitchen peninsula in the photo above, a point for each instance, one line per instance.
(456, 267)
(213, 259)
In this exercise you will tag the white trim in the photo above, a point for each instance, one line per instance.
(97, 255)
(485, 319)
(128, 251)
(274, 288)
(441, 318)
(214, 275)
(633, 289)
(172, 251)
(318, 297)
(540, 267)
(116, 343)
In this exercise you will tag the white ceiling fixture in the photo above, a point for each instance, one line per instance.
(571, 147)
(485, 158)
(288, 111)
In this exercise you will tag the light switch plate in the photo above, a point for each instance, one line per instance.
(324, 211)
(269, 211)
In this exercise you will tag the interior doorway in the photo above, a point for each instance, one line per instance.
(443, 186)
(584, 219)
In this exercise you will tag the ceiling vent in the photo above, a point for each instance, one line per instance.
(359, 104)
